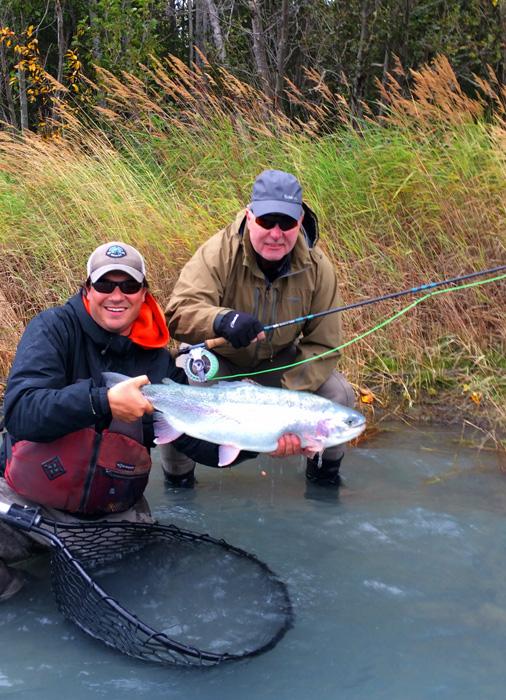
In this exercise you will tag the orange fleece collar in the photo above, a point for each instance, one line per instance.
(149, 330)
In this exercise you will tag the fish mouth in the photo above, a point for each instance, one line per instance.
(353, 430)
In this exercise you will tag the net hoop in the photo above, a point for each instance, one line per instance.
(79, 547)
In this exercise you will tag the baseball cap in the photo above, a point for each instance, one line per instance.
(116, 256)
(275, 191)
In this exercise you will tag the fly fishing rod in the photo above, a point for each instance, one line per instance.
(76, 548)
(202, 365)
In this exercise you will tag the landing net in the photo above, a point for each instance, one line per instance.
(167, 595)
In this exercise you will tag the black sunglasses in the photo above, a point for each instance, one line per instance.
(284, 222)
(105, 286)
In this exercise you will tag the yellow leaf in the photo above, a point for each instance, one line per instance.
(366, 396)
(476, 397)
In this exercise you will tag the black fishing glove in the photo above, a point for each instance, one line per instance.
(238, 327)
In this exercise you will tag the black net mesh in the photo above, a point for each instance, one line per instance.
(253, 615)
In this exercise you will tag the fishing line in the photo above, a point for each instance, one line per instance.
(382, 324)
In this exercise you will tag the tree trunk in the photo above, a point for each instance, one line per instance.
(367, 19)
(395, 40)
(259, 49)
(405, 35)
(191, 55)
(281, 52)
(60, 35)
(23, 104)
(61, 40)
(214, 21)
(96, 44)
(200, 28)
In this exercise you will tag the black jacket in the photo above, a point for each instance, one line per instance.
(55, 385)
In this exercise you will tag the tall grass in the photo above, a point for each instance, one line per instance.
(415, 195)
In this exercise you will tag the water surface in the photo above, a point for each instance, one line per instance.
(397, 583)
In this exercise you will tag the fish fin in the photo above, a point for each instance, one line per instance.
(311, 453)
(227, 454)
(112, 378)
(311, 445)
(164, 431)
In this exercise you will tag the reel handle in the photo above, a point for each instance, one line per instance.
(215, 343)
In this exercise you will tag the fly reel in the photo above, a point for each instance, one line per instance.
(201, 365)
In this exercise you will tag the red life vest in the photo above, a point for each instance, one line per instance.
(84, 472)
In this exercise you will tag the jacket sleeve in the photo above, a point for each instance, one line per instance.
(197, 295)
(318, 335)
(40, 405)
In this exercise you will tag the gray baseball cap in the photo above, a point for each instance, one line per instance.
(276, 192)
(118, 257)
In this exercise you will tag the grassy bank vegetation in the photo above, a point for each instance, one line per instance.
(414, 195)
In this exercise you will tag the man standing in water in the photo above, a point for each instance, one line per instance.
(263, 268)
(73, 446)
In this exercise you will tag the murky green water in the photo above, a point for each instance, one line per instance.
(398, 584)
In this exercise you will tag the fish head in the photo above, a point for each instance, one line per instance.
(341, 425)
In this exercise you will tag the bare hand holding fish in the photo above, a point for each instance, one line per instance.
(126, 401)
(288, 445)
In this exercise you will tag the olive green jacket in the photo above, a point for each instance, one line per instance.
(223, 274)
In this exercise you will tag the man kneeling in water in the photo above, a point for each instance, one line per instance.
(73, 446)
(265, 267)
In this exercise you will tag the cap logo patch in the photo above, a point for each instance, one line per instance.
(115, 251)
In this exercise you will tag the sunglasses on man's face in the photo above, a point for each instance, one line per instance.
(269, 221)
(105, 286)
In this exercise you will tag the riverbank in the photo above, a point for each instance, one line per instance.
(480, 427)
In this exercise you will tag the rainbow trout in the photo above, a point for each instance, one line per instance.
(246, 416)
